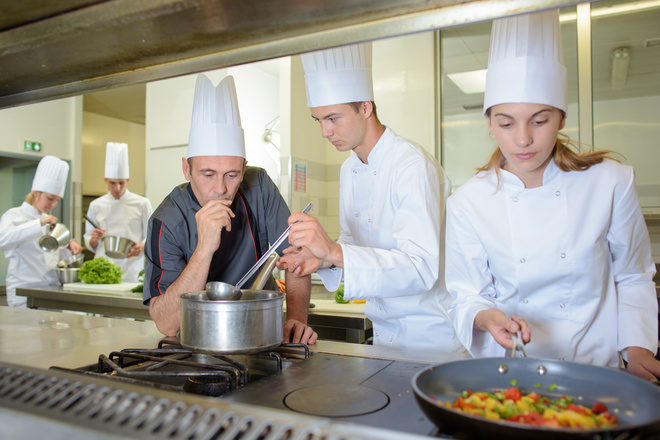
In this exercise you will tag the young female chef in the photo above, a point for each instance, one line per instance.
(544, 240)
(21, 228)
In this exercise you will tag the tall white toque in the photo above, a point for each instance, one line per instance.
(339, 75)
(215, 129)
(51, 176)
(116, 160)
(526, 61)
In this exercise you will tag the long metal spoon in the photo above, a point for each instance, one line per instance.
(219, 291)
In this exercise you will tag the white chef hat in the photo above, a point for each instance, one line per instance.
(526, 62)
(339, 75)
(51, 176)
(215, 129)
(116, 160)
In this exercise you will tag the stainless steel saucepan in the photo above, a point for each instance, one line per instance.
(247, 325)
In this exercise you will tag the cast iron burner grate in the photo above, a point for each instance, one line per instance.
(172, 367)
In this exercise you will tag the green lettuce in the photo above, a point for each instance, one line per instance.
(100, 271)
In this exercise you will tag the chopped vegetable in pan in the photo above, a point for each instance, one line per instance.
(534, 409)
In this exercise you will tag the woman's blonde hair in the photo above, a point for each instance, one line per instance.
(30, 197)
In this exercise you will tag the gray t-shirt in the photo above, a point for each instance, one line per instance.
(261, 217)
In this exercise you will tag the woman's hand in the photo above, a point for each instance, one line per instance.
(75, 247)
(642, 363)
(497, 324)
(50, 219)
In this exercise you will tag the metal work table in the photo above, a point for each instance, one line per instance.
(348, 327)
(41, 339)
(106, 304)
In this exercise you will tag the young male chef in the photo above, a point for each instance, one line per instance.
(218, 225)
(392, 203)
(119, 213)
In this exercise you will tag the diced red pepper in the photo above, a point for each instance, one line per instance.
(599, 408)
(513, 393)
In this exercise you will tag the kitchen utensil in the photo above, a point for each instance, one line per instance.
(91, 222)
(72, 261)
(117, 247)
(68, 275)
(248, 324)
(516, 338)
(634, 401)
(219, 291)
(272, 249)
(54, 238)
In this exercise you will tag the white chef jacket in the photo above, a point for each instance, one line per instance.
(127, 217)
(29, 266)
(392, 214)
(572, 257)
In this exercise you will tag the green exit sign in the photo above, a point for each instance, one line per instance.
(32, 146)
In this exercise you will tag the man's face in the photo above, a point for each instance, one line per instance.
(214, 177)
(344, 127)
(117, 187)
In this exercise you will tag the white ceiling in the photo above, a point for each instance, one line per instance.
(465, 48)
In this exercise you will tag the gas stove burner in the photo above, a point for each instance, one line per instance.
(207, 386)
(336, 400)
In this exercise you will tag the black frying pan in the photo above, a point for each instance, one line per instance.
(634, 401)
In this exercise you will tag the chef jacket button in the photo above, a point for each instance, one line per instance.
(525, 301)
(369, 221)
(561, 359)
(563, 255)
(557, 193)
(515, 199)
(522, 260)
(562, 305)
(357, 215)
(374, 173)
(354, 171)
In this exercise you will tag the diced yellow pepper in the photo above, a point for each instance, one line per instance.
(490, 404)
(522, 406)
(491, 415)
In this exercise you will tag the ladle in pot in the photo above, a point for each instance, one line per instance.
(220, 291)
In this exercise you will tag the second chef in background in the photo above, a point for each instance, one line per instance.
(119, 213)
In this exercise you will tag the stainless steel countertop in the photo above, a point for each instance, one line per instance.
(41, 339)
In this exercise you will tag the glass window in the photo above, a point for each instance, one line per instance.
(626, 87)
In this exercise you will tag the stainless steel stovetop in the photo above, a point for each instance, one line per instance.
(291, 394)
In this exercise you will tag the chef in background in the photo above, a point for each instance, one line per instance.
(391, 211)
(218, 225)
(21, 228)
(546, 240)
(120, 213)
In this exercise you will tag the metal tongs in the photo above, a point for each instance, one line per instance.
(272, 249)
(516, 338)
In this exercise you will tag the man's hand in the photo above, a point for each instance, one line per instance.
(97, 234)
(135, 250)
(298, 261)
(298, 333)
(211, 220)
(642, 363)
(497, 324)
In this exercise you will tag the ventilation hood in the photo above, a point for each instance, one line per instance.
(57, 49)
